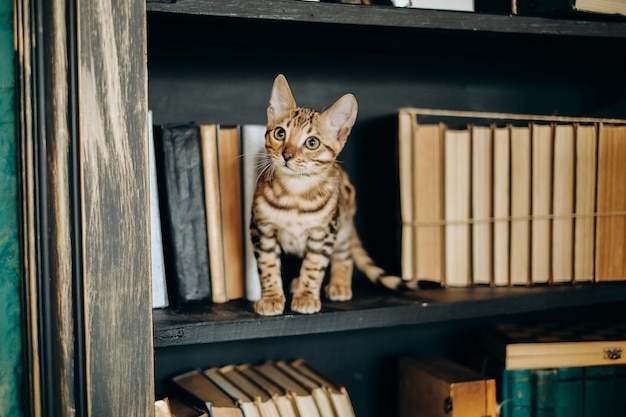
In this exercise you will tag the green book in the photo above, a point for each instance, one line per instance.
(599, 396)
(569, 392)
(620, 388)
(543, 383)
(516, 393)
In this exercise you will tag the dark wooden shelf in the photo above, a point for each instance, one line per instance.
(208, 323)
(387, 16)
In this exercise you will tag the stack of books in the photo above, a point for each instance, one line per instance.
(271, 389)
(204, 176)
(505, 199)
(556, 369)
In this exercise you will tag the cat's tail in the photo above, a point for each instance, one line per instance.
(375, 273)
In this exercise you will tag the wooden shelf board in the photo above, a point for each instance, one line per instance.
(393, 17)
(209, 323)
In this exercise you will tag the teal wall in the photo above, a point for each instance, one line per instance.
(10, 318)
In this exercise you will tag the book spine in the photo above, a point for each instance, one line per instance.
(516, 393)
(569, 392)
(563, 204)
(183, 216)
(520, 205)
(544, 392)
(501, 204)
(457, 207)
(599, 396)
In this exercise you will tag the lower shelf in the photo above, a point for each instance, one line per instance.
(236, 320)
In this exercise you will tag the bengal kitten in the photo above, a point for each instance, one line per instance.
(304, 205)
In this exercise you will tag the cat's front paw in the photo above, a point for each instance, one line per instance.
(338, 292)
(270, 306)
(306, 304)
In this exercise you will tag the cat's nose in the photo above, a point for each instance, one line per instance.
(287, 156)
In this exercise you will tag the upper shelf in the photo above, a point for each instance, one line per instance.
(209, 323)
(392, 17)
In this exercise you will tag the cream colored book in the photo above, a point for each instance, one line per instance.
(284, 402)
(584, 223)
(202, 391)
(407, 212)
(482, 205)
(337, 393)
(501, 204)
(542, 142)
(264, 402)
(428, 194)
(563, 203)
(519, 260)
(245, 402)
(316, 389)
(302, 399)
(457, 207)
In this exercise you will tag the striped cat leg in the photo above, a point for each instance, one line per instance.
(339, 287)
(267, 253)
(306, 289)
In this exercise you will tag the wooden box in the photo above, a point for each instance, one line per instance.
(557, 345)
(437, 387)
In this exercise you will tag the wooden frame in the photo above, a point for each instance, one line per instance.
(83, 139)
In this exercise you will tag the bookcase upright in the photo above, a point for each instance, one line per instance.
(89, 71)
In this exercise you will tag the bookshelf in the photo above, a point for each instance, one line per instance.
(214, 61)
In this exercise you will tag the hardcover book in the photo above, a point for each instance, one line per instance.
(183, 214)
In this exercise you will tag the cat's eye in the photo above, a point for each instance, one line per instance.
(312, 143)
(280, 134)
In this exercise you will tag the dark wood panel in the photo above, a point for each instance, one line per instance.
(389, 16)
(209, 323)
(115, 234)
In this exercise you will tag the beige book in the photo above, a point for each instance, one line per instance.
(584, 223)
(428, 192)
(316, 389)
(338, 394)
(302, 399)
(230, 187)
(457, 207)
(482, 205)
(210, 162)
(501, 204)
(202, 391)
(284, 402)
(611, 205)
(542, 142)
(264, 402)
(563, 204)
(520, 205)
(245, 402)
(407, 213)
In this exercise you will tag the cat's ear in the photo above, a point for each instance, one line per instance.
(340, 117)
(281, 100)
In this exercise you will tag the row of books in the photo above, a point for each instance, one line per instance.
(559, 8)
(203, 179)
(541, 370)
(501, 199)
(552, 369)
(271, 389)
